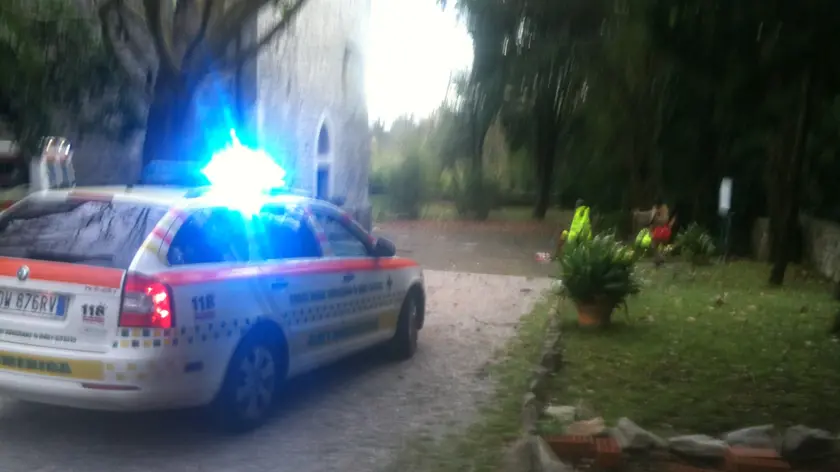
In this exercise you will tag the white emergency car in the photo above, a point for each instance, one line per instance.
(144, 298)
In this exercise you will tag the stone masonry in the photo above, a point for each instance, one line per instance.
(311, 81)
(821, 240)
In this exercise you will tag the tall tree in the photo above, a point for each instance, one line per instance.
(55, 64)
(526, 63)
(190, 39)
(490, 24)
(548, 47)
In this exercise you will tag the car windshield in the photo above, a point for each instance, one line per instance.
(99, 233)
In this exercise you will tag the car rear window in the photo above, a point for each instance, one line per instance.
(101, 233)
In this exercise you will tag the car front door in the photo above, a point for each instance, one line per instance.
(364, 290)
(298, 286)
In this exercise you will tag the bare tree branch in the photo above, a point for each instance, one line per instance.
(206, 14)
(129, 18)
(136, 16)
(161, 36)
(247, 54)
(227, 26)
(127, 57)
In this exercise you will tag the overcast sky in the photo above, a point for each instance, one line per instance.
(414, 46)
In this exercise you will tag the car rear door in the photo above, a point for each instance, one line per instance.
(62, 265)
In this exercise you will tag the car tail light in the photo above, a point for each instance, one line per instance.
(147, 303)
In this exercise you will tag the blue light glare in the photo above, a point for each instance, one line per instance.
(240, 176)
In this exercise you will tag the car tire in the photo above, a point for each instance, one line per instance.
(404, 343)
(250, 386)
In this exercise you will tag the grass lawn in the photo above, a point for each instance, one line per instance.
(710, 353)
(446, 211)
(481, 446)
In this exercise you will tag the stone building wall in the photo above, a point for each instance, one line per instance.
(821, 241)
(311, 81)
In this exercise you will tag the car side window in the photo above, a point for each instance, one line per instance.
(282, 233)
(208, 237)
(343, 241)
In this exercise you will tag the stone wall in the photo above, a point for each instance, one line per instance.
(310, 80)
(821, 241)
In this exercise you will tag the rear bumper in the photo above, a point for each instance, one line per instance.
(62, 392)
(94, 381)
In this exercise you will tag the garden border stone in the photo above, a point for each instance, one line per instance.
(531, 453)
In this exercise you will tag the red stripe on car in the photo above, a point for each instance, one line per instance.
(62, 272)
(194, 276)
(162, 234)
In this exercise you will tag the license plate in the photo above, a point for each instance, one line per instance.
(41, 304)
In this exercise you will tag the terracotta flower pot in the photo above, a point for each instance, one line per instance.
(596, 313)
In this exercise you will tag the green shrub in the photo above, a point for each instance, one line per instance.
(695, 243)
(617, 222)
(598, 270)
(378, 182)
(408, 191)
(474, 197)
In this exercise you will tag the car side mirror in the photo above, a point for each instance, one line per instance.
(384, 248)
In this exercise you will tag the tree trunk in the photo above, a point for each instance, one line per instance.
(789, 195)
(476, 192)
(546, 150)
(167, 123)
(639, 197)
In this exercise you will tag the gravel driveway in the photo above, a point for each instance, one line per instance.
(486, 248)
(353, 416)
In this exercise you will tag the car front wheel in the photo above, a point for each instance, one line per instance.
(404, 343)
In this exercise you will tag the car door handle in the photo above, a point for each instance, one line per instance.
(279, 285)
(348, 277)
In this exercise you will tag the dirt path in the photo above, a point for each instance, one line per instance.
(353, 416)
(488, 248)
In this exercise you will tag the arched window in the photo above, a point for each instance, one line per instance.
(323, 164)
(323, 141)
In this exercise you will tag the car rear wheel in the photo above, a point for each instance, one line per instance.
(404, 343)
(250, 387)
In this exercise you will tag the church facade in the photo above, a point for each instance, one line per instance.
(309, 99)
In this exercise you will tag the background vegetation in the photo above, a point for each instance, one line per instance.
(624, 101)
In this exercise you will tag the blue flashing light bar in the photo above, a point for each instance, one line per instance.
(237, 167)
(175, 173)
(238, 175)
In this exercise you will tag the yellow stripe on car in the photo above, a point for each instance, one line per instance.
(54, 367)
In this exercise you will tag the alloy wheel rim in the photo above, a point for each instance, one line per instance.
(255, 391)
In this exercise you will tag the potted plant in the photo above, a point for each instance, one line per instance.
(598, 276)
(695, 244)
